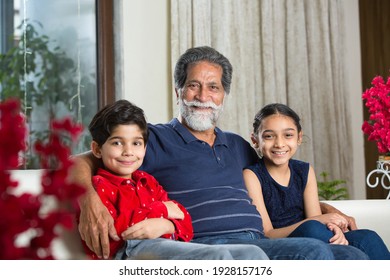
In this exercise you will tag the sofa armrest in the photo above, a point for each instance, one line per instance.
(371, 214)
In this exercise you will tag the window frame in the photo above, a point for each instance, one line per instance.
(6, 17)
(104, 46)
(105, 60)
(105, 52)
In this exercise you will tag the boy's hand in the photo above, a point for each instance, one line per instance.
(174, 212)
(149, 229)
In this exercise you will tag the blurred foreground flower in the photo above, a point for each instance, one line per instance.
(39, 218)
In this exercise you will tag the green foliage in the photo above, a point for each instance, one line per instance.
(33, 67)
(331, 190)
(45, 79)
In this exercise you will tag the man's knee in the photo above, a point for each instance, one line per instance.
(345, 252)
(217, 253)
(304, 249)
(317, 249)
(247, 252)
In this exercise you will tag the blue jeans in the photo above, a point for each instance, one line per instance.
(366, 240)
(288, 248)
(165, 249)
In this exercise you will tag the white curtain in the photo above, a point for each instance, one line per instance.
(287, 51)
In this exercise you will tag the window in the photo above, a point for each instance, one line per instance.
(57, 58)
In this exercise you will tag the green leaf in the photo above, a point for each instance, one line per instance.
(331, 190)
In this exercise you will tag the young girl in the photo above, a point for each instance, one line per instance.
(284, 190)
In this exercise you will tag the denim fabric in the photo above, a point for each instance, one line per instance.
(366, 240)
(288, 248)
(369, 242)
(313, 229)
(165, 249)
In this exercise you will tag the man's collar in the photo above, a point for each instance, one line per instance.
(189, 137)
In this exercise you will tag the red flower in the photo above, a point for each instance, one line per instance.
(21, 214)
(13, 134)
(377, 100)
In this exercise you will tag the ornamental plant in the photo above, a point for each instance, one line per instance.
(23, 214)
(377, 100)
(331, 190)
(39, 72)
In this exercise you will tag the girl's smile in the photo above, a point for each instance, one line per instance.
(278, 139)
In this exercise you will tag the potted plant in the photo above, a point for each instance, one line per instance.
(331, 190)
(377, 127)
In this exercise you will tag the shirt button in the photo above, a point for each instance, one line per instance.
(218, 158)
(128, 182)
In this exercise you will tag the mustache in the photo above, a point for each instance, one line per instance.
(201, 104)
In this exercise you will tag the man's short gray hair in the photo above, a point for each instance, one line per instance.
(197, 54)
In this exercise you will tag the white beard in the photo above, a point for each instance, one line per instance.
(199, 120)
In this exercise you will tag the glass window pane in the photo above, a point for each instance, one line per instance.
(51, 66)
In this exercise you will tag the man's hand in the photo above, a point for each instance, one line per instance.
(326, 208)
(96, 225)
(351, 221)
(335, 219)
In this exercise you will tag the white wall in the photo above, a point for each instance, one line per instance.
(145, 57)
(354, 81)
(147, 77)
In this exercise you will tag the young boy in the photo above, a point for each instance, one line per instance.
(149, 223)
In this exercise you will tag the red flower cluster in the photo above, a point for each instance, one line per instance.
(23, 214)
(378, 103)
(13, 134)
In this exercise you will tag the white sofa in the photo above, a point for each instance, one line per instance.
(370, 214)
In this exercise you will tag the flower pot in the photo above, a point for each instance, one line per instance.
(384, 157)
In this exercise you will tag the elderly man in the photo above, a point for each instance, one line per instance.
(201, 167)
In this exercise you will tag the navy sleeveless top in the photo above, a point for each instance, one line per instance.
(284, 203)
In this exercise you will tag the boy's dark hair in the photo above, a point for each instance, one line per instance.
(117, 113)
(272, 109)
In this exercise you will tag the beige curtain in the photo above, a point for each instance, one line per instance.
(288, 51)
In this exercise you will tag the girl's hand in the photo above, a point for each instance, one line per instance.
(338, 237)
(351, 221)
(149, 229)
(327, 208)
(336, 219)
(174, 211)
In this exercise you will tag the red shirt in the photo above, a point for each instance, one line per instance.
(130, 201)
